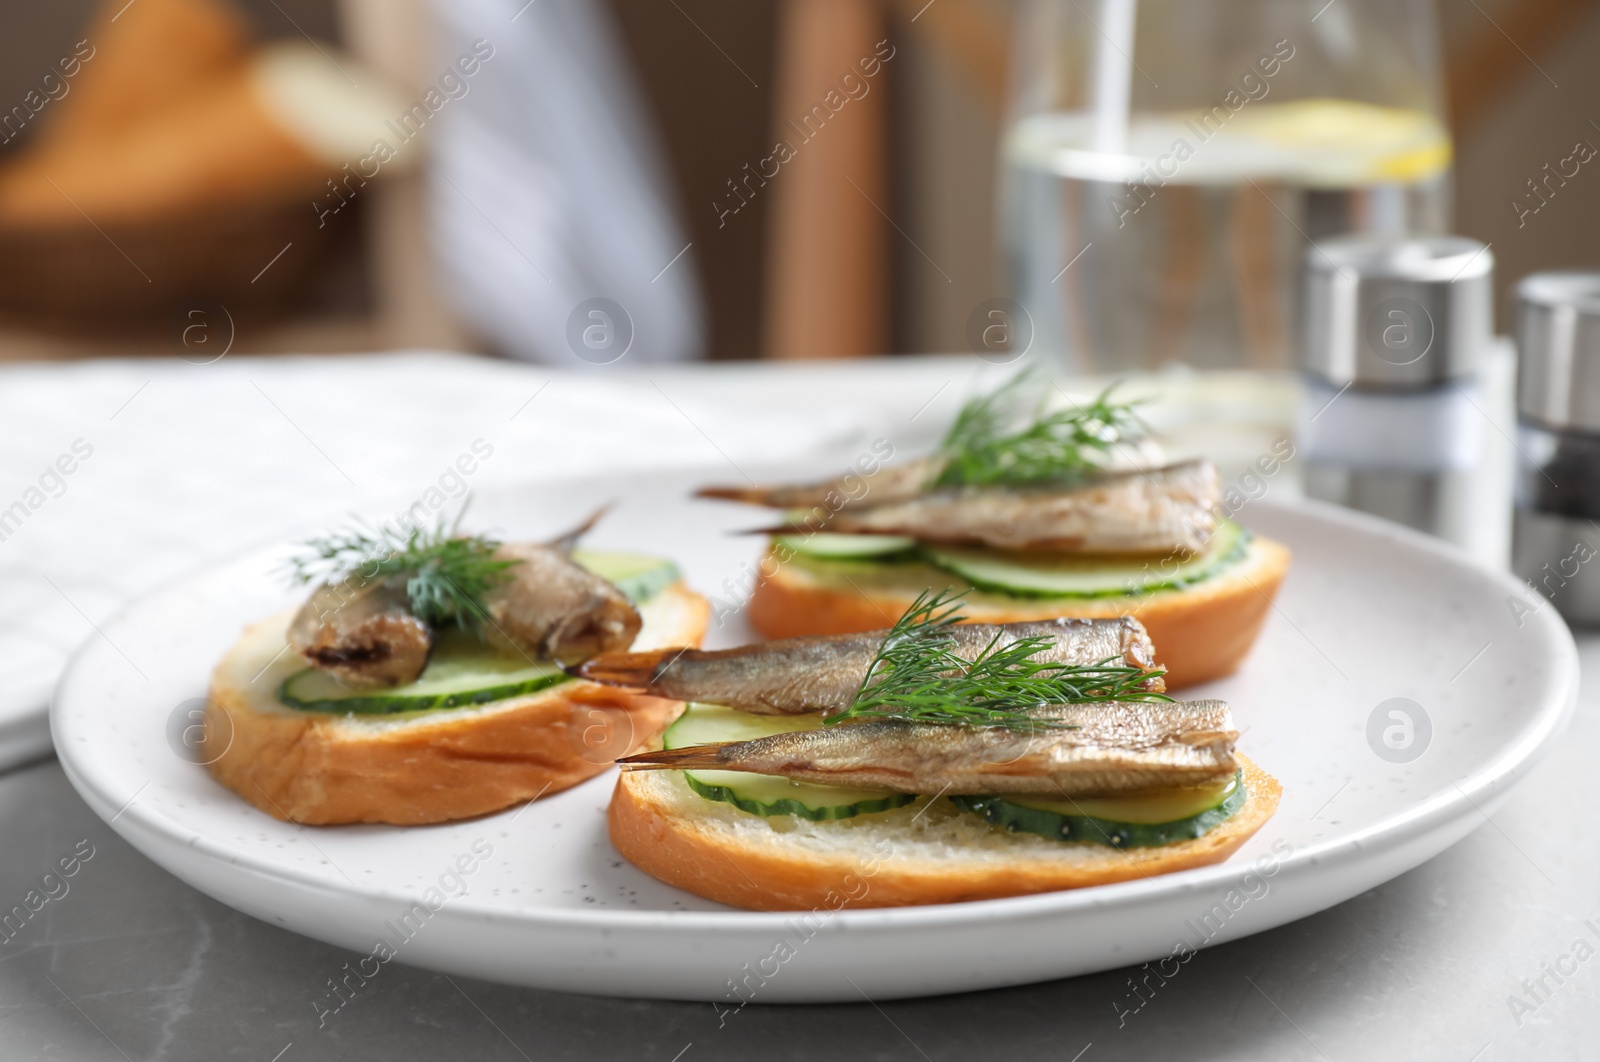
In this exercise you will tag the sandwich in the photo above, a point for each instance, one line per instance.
(422, 680)
(1037, 514)
(933, 762)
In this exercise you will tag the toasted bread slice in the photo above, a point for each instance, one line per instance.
(927, 852)
(1201, 632)
(420, 767)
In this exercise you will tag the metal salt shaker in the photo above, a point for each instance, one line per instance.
(1395, 334)
(1558, 426)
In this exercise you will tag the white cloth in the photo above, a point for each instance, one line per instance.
(547, 188)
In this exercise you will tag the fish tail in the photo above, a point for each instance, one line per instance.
(634, 670)
(684, 759)
(565, 542)
(784, 529)
(744, 494)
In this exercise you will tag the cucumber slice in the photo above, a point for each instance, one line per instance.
(1084, 576)
(1146, 820)
(832, 546)
(637, 575)
(461, 671)
(759, 794)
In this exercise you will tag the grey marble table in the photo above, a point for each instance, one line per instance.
(1483, 953)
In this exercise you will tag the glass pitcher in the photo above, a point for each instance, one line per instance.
(1167, 162)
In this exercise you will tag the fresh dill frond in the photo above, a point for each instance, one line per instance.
(446, 575)
(1004, 439)
(918, 676)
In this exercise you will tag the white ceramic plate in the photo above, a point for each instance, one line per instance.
(1369, 613)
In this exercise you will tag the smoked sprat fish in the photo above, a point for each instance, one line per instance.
(1156, 510)
(1113, 747)
(823, 674)
(553, 608)
(365, 636)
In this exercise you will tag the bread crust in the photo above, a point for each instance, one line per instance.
(318, 768)
(655, 826)
(1201, 632)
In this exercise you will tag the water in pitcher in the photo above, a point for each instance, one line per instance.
(1186, 245)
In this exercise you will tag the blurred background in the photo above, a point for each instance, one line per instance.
(173, 171)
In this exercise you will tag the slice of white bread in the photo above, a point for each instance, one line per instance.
(1201, 632)
(420, 767)
(921, 853)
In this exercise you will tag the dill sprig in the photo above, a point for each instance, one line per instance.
(918, 676)
(997, 440)
(446, 575)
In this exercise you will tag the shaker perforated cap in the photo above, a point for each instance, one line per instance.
(1396, 311)
(1558, 350)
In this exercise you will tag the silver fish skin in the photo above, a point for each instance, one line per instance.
(551, 608)
(894, 483)
(1120, 747)
(795, 676)
(365, 636)
(1155, 510)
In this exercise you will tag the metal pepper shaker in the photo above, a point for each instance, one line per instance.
(1395, 335)
(1558, 426)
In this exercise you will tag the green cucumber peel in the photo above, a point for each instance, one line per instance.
(1088, 829)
